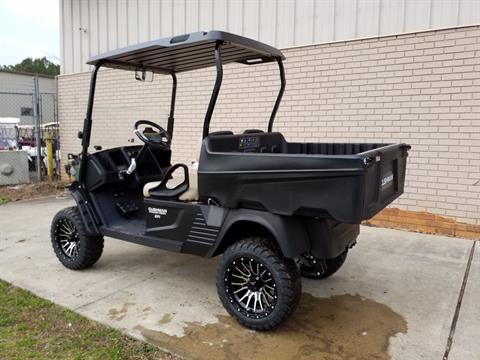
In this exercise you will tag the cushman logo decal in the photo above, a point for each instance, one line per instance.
(387, 179)
(157, 212)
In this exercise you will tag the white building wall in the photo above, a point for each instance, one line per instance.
(23, 83)
(90, 27)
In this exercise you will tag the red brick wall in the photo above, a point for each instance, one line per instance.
(424, 222)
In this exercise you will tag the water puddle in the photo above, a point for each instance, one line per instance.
(340, 327)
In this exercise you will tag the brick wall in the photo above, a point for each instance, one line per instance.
(423, 89)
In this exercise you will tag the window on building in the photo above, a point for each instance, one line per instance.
(26, 111)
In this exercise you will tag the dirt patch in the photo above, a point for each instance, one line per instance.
(340, 327)
(32, 191)
(119, 314)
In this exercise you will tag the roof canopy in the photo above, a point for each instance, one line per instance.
(187, 52)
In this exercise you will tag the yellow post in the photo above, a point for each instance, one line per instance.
(49, 143)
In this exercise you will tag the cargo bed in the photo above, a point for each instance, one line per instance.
(347, 182)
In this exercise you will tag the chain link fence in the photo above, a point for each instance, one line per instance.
(28, 116)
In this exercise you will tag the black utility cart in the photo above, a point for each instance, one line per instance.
(273, 209)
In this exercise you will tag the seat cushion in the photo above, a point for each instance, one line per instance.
(149, 186)
(190, 195)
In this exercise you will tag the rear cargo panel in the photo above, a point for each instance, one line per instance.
(341, 181)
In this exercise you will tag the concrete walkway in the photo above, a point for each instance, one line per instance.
(396, 296)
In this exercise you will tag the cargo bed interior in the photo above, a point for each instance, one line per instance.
(259, 142)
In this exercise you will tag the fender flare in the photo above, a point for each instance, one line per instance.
(289, 232)
(86, 212)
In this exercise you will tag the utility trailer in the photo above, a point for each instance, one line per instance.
(273, 209)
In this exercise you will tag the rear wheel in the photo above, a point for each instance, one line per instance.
(320, 269)
(73, 246)
(256, 285)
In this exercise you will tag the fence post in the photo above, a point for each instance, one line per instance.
(49, 146)
(36, 116)
(57, 133)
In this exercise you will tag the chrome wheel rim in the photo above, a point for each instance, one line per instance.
(251, 288)
(67, 238)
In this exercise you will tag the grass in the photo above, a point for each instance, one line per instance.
(4, 199)
(34, 328)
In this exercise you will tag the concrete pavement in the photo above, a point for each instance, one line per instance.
(395, 297)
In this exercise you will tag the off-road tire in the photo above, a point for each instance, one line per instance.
(322, 271)
(284, 274)
(90, 247)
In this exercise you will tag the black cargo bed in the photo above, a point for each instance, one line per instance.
(347, 182)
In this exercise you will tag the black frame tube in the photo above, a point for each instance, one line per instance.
(172, 106)
(280, 94)
(87, 124)
(216, 88)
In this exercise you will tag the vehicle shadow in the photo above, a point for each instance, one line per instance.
(149, 262)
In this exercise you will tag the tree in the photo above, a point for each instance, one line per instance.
(36, 66)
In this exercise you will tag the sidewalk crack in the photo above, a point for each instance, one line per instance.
(459, 303)
(78, 307)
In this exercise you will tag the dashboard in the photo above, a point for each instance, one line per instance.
(104, 168)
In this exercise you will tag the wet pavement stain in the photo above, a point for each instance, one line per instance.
(119, 314)
(339, 327)
(166, 318)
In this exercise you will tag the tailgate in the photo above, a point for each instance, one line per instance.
(385, 176)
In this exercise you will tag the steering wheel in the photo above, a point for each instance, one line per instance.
(159, 140)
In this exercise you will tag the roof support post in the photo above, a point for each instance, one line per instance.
(87, 124)
(216, 88)
(172, 106)
(280, 93)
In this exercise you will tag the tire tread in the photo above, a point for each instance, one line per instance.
(287, 272)
(91, 247)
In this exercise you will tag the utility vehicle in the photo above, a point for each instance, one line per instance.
(274, 209)
(9, 133)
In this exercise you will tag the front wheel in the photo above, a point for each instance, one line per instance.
(256, 285)
(73, 246)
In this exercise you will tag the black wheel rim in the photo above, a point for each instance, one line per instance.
(67, 238)
(251, 288)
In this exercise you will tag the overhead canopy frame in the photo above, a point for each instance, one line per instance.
(187, 52)
(183, 53)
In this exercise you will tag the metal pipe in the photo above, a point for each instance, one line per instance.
(49, 147)
(172, 106)
(87, 124)
(216, 88)
(280, 94)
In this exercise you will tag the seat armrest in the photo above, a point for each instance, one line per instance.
(162, 192)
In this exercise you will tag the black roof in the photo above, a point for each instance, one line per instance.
(187, 52)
